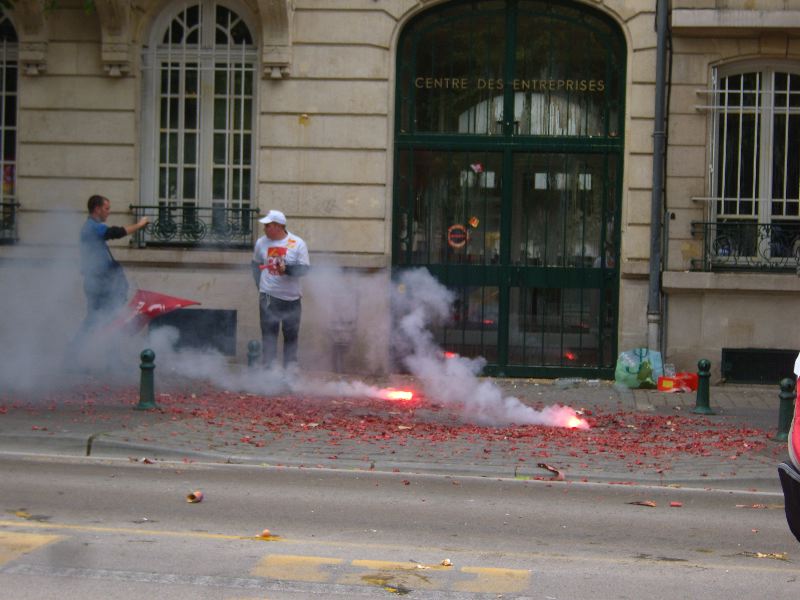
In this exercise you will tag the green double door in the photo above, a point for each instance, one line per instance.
(508, 159)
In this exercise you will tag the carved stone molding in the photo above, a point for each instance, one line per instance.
(32, 31)
(276, 28)
(115, 48)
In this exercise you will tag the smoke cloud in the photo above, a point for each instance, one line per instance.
(343, 308)
(423, 302)
(41, 310)
(360, 317)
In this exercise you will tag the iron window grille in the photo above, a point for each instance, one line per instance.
(753, 211)
(199, 157)
(190, 225)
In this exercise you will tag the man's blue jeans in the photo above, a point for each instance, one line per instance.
(274, 313)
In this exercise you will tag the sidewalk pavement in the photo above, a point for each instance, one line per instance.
(637, 436)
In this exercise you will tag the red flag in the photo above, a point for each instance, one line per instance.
(146, 305)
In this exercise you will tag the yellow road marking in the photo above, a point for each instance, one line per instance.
(488, 580)
(295, 568)
(13, 545)
(131, 530)
(392, 575)
(753, 566)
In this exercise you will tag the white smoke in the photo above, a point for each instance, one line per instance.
(362, 316)
(418, 302)
(423, 302)
(42, 307)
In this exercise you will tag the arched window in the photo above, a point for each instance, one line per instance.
(755, 165)
(199, 111)
(8, 128)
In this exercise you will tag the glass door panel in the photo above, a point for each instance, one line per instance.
(560, 208)
(473, 328)
(563, 248)
(449, 209)
(559, 327)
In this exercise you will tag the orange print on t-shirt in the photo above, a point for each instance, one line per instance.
(275, 258)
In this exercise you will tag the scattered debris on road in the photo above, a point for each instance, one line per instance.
(195, 497)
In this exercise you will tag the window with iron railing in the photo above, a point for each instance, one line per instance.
(9, 207)
(198, 155)
(753, 214)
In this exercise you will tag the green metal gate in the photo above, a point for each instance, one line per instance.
(508, 170)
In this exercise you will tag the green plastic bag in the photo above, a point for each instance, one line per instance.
(639, 368)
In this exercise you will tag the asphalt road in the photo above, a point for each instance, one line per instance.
(91, 529)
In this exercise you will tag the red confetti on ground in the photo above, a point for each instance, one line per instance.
(636, 438)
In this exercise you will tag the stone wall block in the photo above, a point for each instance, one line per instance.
(642, 101)
(681, 190)
(341, 62)
(687, 99)
(324, 131)
(71, 194)
(330, 97)
(691, 69)
(77, 127)
(688, 130)
(70, 161)
(686, 161)
(681, 253)
(640, 136)
(623, 10)
(642, 30)
(322, 166)
(636, 241)
(639, 171)
(325, 200)
(638, 207)
(632, 315)
(82, 93)
(333, 235)
(73, 24)
(373, 28)
(643, 66)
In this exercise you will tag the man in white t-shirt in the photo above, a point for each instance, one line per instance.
(279, 260)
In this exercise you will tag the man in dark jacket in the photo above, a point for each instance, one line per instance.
(104, 281)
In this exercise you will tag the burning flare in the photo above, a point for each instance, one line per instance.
(395, 394)
(575, 422)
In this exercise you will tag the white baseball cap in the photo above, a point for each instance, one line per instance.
(273, 216)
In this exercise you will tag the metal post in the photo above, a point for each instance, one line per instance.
(785, 409)
(147, 399)
(703, 376)
(654, 309)
(253, 353)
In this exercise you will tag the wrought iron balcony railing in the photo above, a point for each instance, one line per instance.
(8, 222)
(189, 225)
(747, 245)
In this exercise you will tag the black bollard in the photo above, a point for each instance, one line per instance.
(253, 353)
(703, 388)
(147, 395)
(785, 409)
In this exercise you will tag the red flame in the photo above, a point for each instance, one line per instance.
(450, 354)
(575, 422)
(395, 394)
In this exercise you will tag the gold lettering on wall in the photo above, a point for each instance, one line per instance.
(518, 85)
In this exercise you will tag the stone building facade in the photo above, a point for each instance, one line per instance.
(505, 145)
